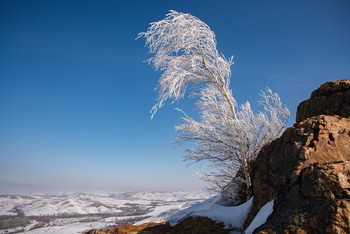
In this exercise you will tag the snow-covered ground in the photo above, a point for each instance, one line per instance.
(78, 212)
(232, 217)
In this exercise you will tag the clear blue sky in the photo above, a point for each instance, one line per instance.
(75, 94)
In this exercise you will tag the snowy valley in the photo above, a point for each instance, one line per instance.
(78, 212)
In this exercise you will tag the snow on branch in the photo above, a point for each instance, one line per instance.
(185, 50)
(227, 136)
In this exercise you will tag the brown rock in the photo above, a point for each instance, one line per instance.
(191, 225)
(308, 175)
(131, 229)
(307, 170)
(331, 98)
(199, 225)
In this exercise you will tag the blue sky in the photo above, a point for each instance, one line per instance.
(75, 94)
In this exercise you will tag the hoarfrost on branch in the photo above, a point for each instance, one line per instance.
(227, 136)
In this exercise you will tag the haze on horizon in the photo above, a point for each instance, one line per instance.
(75, 92)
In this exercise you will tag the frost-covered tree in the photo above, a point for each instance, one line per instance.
(230, 143)
(226, 135)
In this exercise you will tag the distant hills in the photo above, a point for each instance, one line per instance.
(78, 212)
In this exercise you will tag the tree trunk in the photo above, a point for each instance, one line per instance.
(246, 172)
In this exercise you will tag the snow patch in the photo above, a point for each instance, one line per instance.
(232, 217)
(261, 217)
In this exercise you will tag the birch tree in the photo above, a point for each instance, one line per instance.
(227, 136)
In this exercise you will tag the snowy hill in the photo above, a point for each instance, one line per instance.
(77, 212)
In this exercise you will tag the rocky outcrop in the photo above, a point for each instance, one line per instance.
(189, 225)
(331, 98)
(234, 193)
(307, 170)
(159, 228)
